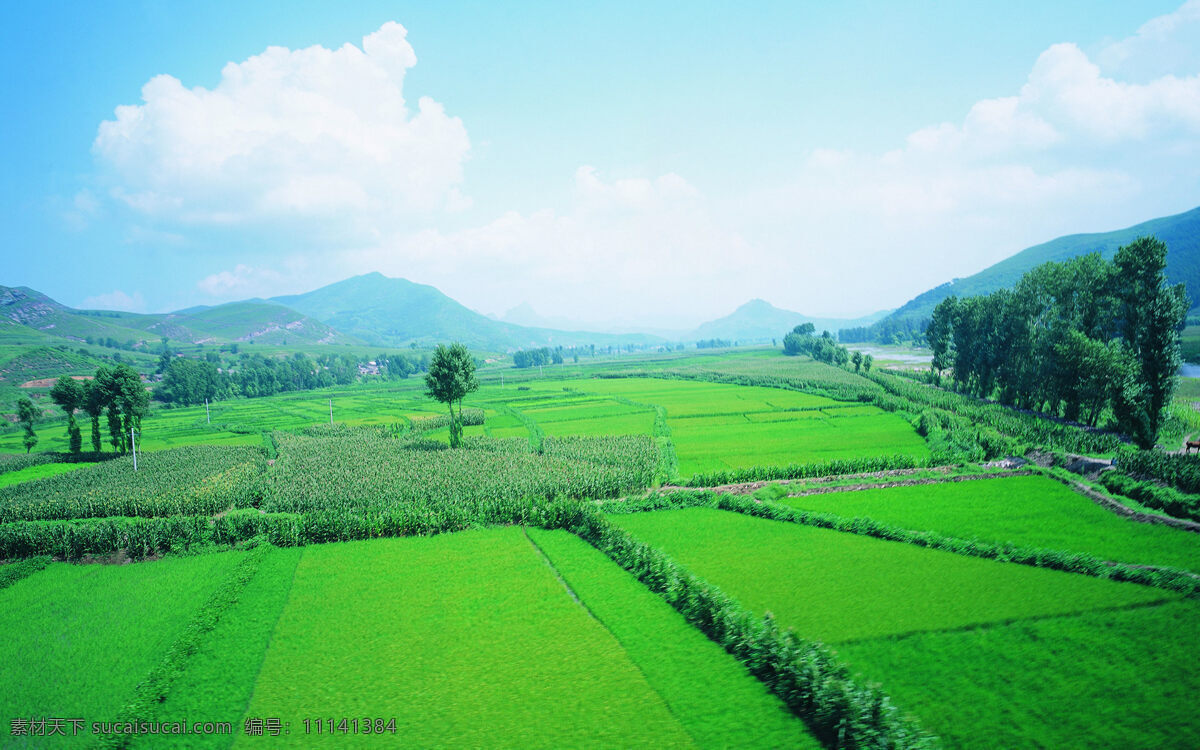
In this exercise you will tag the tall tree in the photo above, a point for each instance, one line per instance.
(27, 414)
(1152, 313)
(68, 393)
(93, 404)
(450, 378)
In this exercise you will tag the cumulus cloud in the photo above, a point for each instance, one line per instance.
(311, 133)
(116, 300)
(241, 281)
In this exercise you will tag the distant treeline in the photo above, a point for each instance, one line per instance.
(887, 331)
(551, 356)
(1077, 339)
(713, 343)
(188, 381)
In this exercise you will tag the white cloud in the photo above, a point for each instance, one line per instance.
(289, 134)
(1163, 45)
(115, 300)
(242, 281)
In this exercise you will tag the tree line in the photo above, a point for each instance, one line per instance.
(116, 392)
(188, 381)
(1081, 339)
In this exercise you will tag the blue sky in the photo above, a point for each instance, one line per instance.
(601, 161)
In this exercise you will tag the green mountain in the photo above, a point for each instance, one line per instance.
(397, 312)
(1181, 233)
(30, 317)
(759, 320)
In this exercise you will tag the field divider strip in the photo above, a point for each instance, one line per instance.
(905, 483)
(151, 691)
(550, 564)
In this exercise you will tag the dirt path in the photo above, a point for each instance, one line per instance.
(747, 488)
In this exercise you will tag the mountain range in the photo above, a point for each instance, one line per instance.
(371, 309)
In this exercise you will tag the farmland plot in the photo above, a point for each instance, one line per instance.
(79, 638)
(986, 654)
(466, 640)
(1029, 511)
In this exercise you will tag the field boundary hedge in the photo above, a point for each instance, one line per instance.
(1171, 579)
(805, 675)
(806, 471)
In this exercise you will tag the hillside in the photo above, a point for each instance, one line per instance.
(759, 320)
(397, 312)
(30, 315)
(1181, 233)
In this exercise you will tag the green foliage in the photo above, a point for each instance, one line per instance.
(450, 378)
(69, 394)
(672, 654)
(1078, 339)
(469, 417)
(1167, 499)
(193, 480)
(802, 471)
(27, 414)
(1179, 471)
(367, 475)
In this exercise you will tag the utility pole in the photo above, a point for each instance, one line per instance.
(133, 444)
(501, 380)
(207, 414)
(330, 411)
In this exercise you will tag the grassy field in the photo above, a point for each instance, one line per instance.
(79, 638)
(728, 707)
(220, 677)
(466, 640)
(1122, 678)
(1001, 657)
(38, 472)
(1028, 511)
(837, 587)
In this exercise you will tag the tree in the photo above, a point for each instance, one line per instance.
(450, 378)
(126, 401)
(68, 393)
(868, 360)
(93, 404)
(857, 359)
(27, 414)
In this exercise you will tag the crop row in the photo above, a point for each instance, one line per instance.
(190, 480)
(1179, 471)
(470, 417)
(371, 473)
(1167, 499)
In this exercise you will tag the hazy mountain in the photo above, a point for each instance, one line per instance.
(29, 313)
(759, 320)
(397, 312)
(1181, 233)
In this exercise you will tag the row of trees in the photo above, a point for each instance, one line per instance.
(117, 392)
(801, 340)
(188, 381)
(1079, 339)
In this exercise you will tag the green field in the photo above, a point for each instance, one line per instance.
(1121, 678)
(996, 656)
(1029, 511)
(466, 640)
(38, 472)
(79, 638)
(836, 587)
(670, 653)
